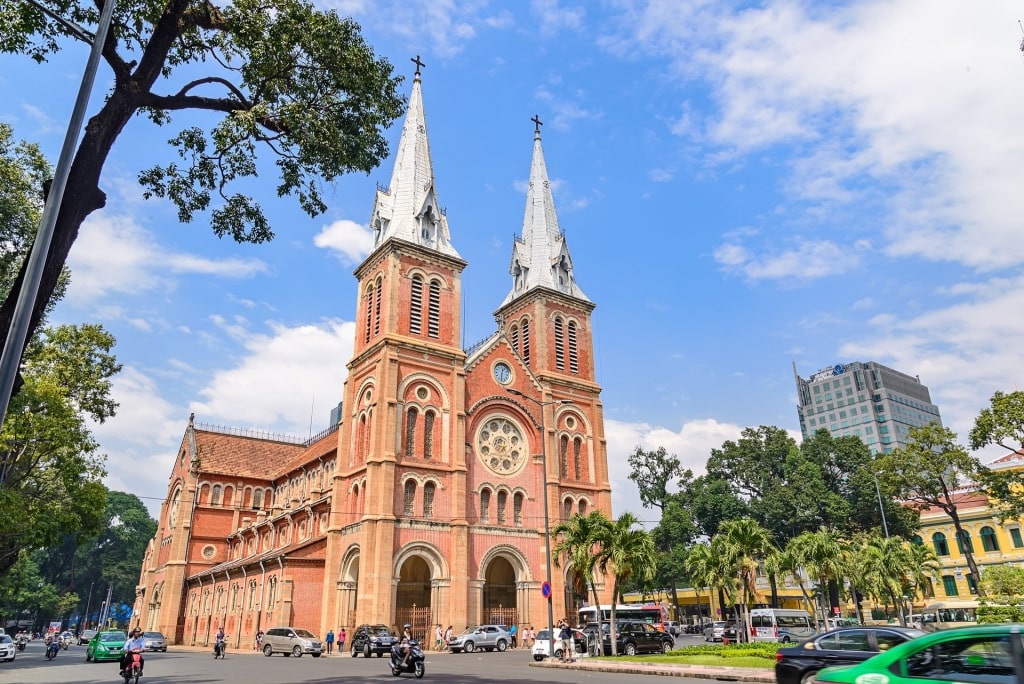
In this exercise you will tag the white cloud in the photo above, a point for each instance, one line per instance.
(692, 443)
(281, 376)
(115, 254)
(805, 261)
(554, 17)
(350, 240)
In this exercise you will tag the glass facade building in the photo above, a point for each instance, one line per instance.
(866, 400)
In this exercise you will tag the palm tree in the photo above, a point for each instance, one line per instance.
(785, 563)
(576, 539)
(627, 552)
(823, 557)
(705, 566)
(745, 544)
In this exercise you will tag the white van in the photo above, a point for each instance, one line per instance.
(781, 625)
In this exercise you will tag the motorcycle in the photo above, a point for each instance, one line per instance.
(51, 649)
(133, 671)
(64, 643)
(219, 648)
(22, 643)
(414, 665)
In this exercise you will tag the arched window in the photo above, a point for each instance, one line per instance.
(272, 593)
(428, 434)
(434, 310)
(517, 510)
(939, 542)
(559, 344)
(410, 496)
(963, 540)
(428, 500)
(257, 499)
(369, 312)
(485, 505)
(252, 594)
(917, 540)
(215, 498)
(574, 358)
(988, 539)
(563, 456)
(172, 519)
(376, 307)
(568, 510)
(410, 431)
(416, 306)
(525, 351)
(581, 508)
(502, 500)
(514, 334)
(576, 445)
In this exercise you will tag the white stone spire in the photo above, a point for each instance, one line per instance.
(540, 256)
(408, 209)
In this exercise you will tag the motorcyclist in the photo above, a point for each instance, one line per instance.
(219, 643)
(406, 644)
(52, 642)
(135, 644)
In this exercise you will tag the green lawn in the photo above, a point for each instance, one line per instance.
(708, 659)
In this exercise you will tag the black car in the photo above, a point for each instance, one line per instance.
(844, 646)
(637, 637)
(369, 639)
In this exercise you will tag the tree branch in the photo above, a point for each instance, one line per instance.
(216, 79)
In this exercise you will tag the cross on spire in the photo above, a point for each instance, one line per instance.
(537, 123)
(416, 60)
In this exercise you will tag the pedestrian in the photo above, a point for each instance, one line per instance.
(341, 640)
(438, 638)
(259, 640)
(330, 641)
(531, 636)
(513, 632)
(447, 636)
(565, 636)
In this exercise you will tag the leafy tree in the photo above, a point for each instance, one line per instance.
(1002, 424)
(24, 591)
(710, 502)
(653, 471)
(1003, 580)
(625, 551)
(290, 83)
(928, 471)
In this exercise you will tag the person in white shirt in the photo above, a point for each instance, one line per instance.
(134, 644)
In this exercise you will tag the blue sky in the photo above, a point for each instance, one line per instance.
(743, 186)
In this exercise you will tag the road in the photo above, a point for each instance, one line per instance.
(198, 667)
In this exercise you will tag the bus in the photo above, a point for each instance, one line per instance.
(948, 614)
(649, 613)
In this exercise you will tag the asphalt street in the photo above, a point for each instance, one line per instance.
(190, 666)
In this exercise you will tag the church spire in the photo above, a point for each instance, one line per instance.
(408, 209)
(540, 256)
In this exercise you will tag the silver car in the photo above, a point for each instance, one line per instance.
(714, 631)
(154, 641)
(487, 637)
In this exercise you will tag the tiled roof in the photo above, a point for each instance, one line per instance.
(243, 456)
(1010, 459)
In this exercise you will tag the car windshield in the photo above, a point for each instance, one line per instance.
(153, 635)
(542, 634)
(379, 630)
(111, 636)
(304, 634)
(4, 639)
(470, 630)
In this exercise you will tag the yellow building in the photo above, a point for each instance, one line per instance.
(991, 542)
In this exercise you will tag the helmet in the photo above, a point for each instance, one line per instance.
(407, 626)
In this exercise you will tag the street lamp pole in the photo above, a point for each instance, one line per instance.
(881, 507)
(547, 518)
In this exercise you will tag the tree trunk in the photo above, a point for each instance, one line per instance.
(612, 632)
(968, 553)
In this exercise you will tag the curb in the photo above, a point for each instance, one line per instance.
(726, 674)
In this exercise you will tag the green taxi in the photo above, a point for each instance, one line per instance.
(993, 654)
(106, 646)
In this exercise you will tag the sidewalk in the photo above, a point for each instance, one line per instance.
(728, 674)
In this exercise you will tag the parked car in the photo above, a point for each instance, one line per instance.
(843, 646)
(369, 639)
(86, 636)
(672, 627)
(105, 646)
(7, 648)
(714, 631)
(993, 654)
(154, 641)
(542, 644)
(487, 637)
(291, 642)
(633, 637)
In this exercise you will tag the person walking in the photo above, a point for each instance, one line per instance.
(341, 640)
(438, 638)
(447, 636)
(513, 632)
(330, 641)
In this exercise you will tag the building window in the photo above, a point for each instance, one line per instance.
(972, 586)
(514, 334)
(410, 431)
(428, 434)
(963, 541)
(525, 351)
(502, 499)
(563, 456)
(485, 505)
(949, 585)
(917, 540)
(428, 500)
(369, 311)
(517, 510)
(568, 510)
(582, 507)
(215, 499)
(559, 345)
(576, 444)
(376, 307)
(988, 539)
(1015, 536)
(410, 496)
(434, 310)
(416, 306)
(939, 542)
(257, 499)
(574, 357)
(252, 594)
(272, 593)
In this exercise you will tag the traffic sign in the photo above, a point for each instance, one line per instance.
(545, 590)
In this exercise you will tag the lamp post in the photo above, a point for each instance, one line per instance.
(547, 519)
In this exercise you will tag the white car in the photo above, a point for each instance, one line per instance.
(7, 648)
(542, 645)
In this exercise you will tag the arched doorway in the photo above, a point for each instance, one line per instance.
(500, 597)
(412, 598)
(576, 593)
(348, 588)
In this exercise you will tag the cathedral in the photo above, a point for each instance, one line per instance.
(427, 499)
